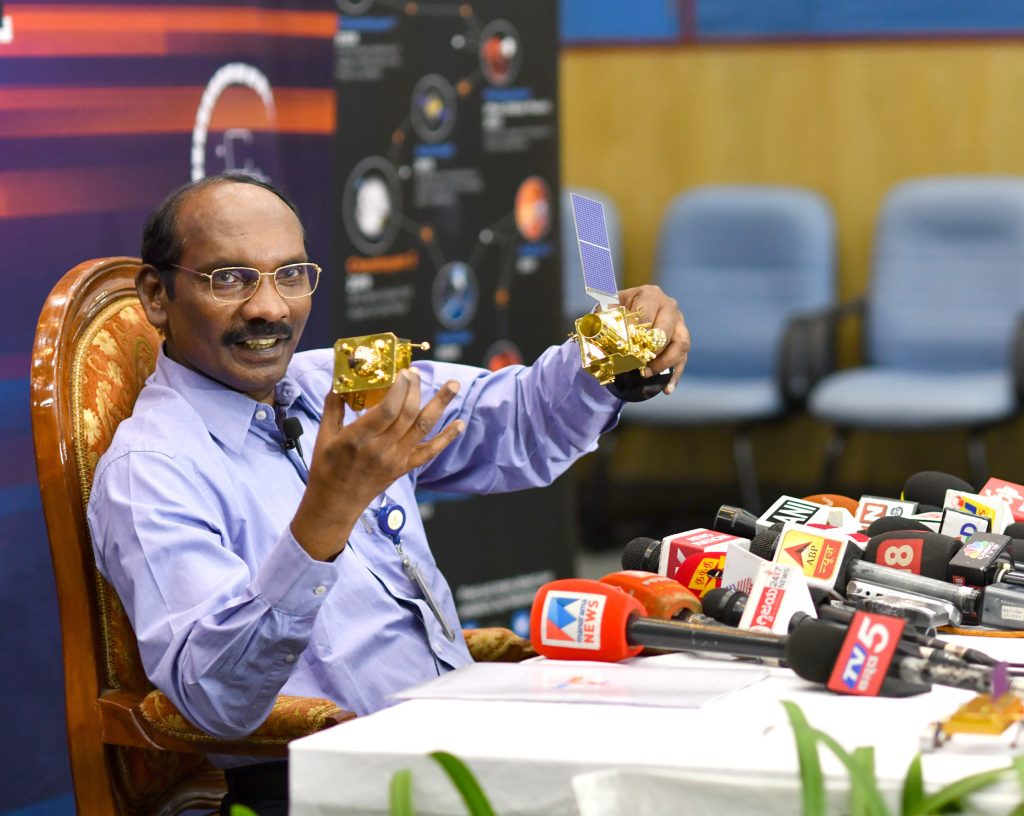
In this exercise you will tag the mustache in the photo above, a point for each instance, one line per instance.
(257, 331)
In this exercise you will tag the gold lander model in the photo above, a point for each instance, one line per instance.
(365, 367)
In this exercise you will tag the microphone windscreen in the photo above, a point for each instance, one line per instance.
(579, 619)
(763, 544)
(936, 551)
(813, 648)
(642, 553)
(1015, 530)
(930, 486)
(724, 605)
(663, 598)
(834, 500)
(888, 524)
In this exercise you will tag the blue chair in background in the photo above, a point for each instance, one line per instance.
(941, 329)
(753, 268)
(575, 301)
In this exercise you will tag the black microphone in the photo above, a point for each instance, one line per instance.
(292, 430)
(813, 648)
(890, 524)
(727, 605)
(930, 486)
(764, 542)
(1015, 530)
(642, 553)
(735, 521)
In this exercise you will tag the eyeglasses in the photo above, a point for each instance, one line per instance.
(236, 284)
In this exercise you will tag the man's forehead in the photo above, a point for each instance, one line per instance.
(231, 201)
(231, 212)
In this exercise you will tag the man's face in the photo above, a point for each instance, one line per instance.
(246, 346)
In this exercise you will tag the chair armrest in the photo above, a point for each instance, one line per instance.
(808, 349)
(497, 645)
(152, 721)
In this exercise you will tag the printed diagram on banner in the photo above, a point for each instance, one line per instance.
(447, 173)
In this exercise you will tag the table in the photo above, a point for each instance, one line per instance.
(735, 755)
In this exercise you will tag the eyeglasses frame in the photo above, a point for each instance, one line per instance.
(209, 276)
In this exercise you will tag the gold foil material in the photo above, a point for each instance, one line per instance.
(365, 367)
(615, 341)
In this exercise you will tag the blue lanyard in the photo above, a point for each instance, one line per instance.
(391, 520)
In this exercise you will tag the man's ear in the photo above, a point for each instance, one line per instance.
(153, 295)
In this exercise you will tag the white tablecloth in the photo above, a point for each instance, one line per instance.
(735, 755)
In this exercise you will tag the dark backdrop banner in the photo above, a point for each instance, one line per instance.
(447, 187)
(103, 109)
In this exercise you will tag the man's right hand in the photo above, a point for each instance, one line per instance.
(353, 463)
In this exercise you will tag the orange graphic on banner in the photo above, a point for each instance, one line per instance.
(133, 30)
(109, 111)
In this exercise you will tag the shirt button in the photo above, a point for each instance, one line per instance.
(320, 590)
(289, 658)
(261, 415)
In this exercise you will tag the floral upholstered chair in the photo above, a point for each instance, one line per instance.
(131, 751)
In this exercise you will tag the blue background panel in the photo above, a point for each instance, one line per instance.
(668, 21)
(614, 20)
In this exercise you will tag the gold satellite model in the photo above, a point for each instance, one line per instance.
(612, 340)
(365, 367)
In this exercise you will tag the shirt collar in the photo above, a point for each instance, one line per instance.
(227, 414)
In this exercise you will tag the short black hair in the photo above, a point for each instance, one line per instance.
(162, 245)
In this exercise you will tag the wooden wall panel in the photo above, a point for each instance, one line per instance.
(848, 119)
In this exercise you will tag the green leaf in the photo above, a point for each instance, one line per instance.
(913, 788)
(400, 794)
(862, 781)
(1018, 766)
(811, 780)
(242, 810)
(865, 758)
(955, 791)
(465, 783)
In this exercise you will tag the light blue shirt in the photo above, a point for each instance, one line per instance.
(190, 511)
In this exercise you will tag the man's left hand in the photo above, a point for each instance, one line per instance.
(662, 312)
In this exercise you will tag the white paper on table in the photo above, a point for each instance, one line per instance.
(572, 681)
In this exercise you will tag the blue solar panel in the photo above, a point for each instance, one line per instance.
(590, 226)
(595, 252)
(597, 269)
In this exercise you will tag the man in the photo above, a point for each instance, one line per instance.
(248, 570)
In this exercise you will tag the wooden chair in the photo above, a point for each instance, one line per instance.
(131, 751)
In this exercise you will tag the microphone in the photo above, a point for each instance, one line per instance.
(815, 649)
(872, 508)
(580, 619)
(663, 598)
(642, 553)
(888, 524)
(1009, 492)
(908, 551)
(763, 544)
(736, 521)
(834, 500)
(727, 605)
(1015, 530)
(292, 430)
(930, 486)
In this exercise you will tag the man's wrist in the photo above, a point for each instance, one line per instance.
(317, 533)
